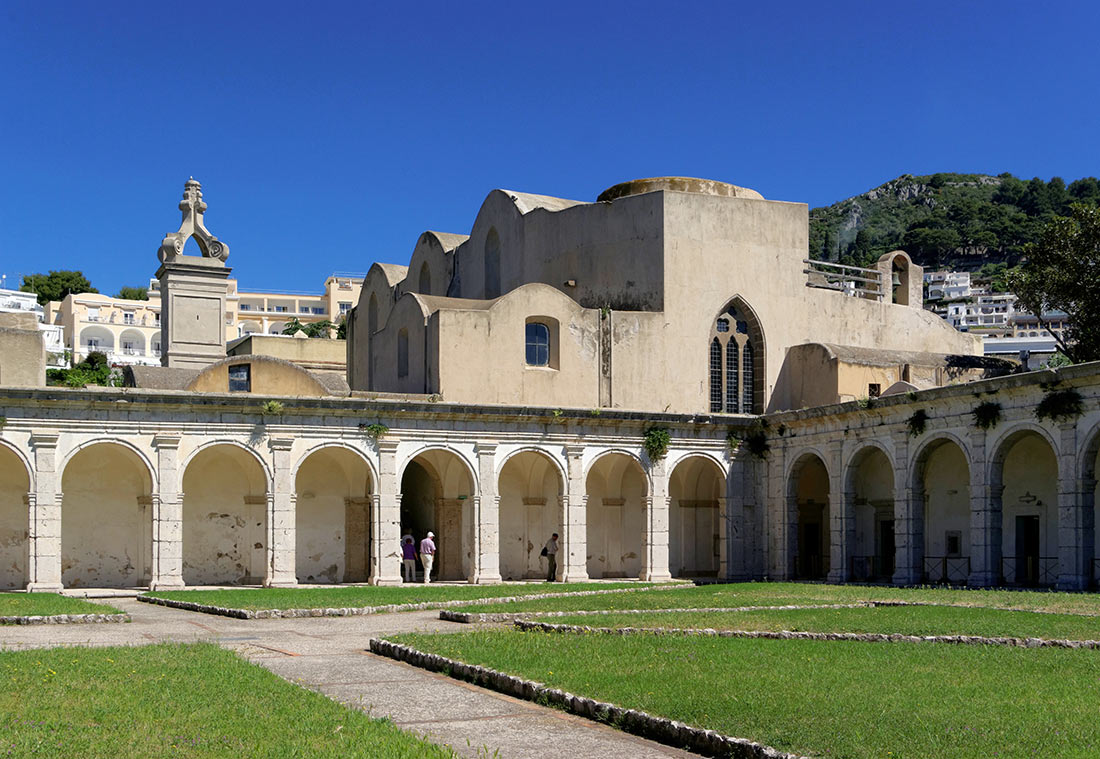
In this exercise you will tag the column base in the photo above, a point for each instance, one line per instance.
(837, 576)
(44, 587)
(485, 579)
(1072, 582)
(389, 581)
(276, 582)
(655, 577)
(576, 576)
(905, 577)
(981, 580)
(167, 585)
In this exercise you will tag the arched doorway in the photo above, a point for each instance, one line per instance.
(941, 487)
(332, 517)
(530, 490)
(617, 489)
(1024, 480)
(870, 502)
(106, 518)
(808, 488)
(15, 483)
(697, 491)
(224, 517)
(436, 488)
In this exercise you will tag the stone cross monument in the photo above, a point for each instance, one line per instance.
(192, 289)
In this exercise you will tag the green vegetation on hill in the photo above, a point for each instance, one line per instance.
(958, 221)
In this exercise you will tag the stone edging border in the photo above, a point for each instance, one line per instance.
(466, 617)
(966, 640)
(65, 619)
(660, 729)
(356, 611)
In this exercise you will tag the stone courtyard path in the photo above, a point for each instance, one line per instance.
(327, 654)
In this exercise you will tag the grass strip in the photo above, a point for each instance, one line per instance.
(906, 620)
(48, 605)
(177, 701)
(858, 700)
(783, 594)
(360, 596)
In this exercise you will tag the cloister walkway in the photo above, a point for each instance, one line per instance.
(327, 654)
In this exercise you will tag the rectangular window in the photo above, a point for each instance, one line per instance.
(244, 307)
(279, 309)
(953, 543)
(128, 347)
(127, 317)
(319, 310)
(874, 390)
(240, 378)
(345, 307)
(93, 314)
(538, 344)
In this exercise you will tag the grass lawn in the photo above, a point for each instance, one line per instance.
(857, 700)
(176, 701)
(909, 620)
(47, 604)
(785, 593)
(362, 595)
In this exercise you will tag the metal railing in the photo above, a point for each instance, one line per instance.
(946, 569)
(850, 280)
(1029, 570)
(871, 568)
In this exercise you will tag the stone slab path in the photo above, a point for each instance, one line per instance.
(327, 654)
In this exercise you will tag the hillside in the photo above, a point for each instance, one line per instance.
(959, 221)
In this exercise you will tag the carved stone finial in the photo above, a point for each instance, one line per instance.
(192, 225)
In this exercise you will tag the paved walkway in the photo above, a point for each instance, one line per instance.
(327, 654)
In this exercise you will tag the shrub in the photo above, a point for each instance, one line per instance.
(986, 415)
(271, 408)
(374, 431)
(917, 422)
(1060, 405)
(656, 442)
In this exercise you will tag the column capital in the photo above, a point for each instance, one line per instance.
(574, 450)
(387, 446)
(486, 449)
(280, 443)
(166, 440)
(44, 440)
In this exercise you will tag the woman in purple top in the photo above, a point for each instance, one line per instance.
(408, 556)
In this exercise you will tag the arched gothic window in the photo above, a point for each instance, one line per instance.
(733, 381)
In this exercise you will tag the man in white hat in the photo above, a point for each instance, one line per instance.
(427, 555)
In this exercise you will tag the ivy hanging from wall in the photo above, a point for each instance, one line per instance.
(1060, 406)
(986, 415)
(917, 422)
(656, 442)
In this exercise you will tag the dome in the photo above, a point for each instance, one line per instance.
(678, 184)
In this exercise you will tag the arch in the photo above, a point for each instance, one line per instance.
(104, 337)
(136, 338)
(808, 486)
(492, 264)
(268, 479)
(333, 482)
(623, 452)
(539, 450)
(674, 459)
(697, 493)
(530, 486)
(25, 461)
(106, 515)
(736, 355)
(939, 477)
(16, 483)
(251, 328)
(868, 519)
(437, 487)
(1023, 480)
(225, 488)
(617, 488)
(150, 470)
(347, 446)
(276, 328)
(799, 459)
(425, 283)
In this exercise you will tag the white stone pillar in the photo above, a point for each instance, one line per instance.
(44, 538)
(1076, 534)
(782, 511)
(842, 520)
(655, 539)
(731, 521)
(908, 518)
(281, 503)
(385, 534)
(167, 558)
(985, 517)
(573, 546)
(485, 522)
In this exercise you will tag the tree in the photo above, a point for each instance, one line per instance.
(1062, 273)
(322, 328)
(133, 293)
(56, 285)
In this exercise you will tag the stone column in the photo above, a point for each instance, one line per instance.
(485, 521)
(985, 517)
(1075, 516)
(781, 508)
(385, 532)
(842, 520)
(167, 571)
(44, 538)
(655, 539)
(280, 570)
(573, 546)
(908, 518)
(731, 523)
(356, 539)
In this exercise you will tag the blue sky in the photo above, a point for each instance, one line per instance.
(329, 135)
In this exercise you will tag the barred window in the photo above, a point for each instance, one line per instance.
(747, 377)
(715, 375)
(731, 377)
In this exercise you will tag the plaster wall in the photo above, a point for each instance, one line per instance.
(530, 512)
(874, 500)
(330, 487)
(1030, 489)
(14, 486)
(946, 484)
(696, 496)
(106, 519)
(615, 517)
